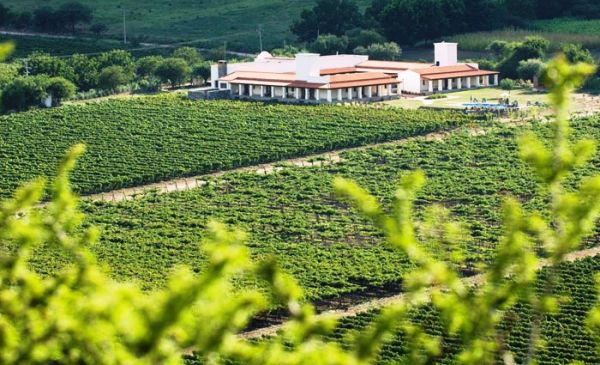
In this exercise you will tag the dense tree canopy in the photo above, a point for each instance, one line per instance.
(327, 17)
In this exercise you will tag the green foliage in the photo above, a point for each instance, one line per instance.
(111, 77)
(189, 54)
(86, 71)
(146, 66)
(363, 37)
(530, 69)
(202, 71)
(8, 72)
(51, 318)
(474, 315)
(44, 64)
(576, 53)
(24, 92)
(60, 89)
(173, 70)
(508, 84)
(380, 51)
(499, 48)
(327, 17)
(185, 138)
(531, 48)
(328, 44)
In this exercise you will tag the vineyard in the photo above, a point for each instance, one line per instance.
(565, 335)
(294, 214)
(148, 139)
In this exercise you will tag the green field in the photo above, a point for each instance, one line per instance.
(59, 47)
(212, 21)
(565, 335)
(569, 26)
(294, 215)
(478, 41)
(141, 140)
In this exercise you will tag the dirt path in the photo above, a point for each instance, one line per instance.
(385, 301)
(322, 159)
(193, 182)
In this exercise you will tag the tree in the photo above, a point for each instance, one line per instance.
(328, 44)
(173, 70)
(59, 89)
(189, 54)
(22, 20)
(576, 53)
(112, 77)
(408, 21)
(5, 15)
(79, 307)
(146, 66)
(286, 51)
(117, 57)
(8, 72)
(380, 51)
(508, 84)
(86, 71)
(46, 20)
(24, 92)
(499, 48)
(327, 17)
(361, 37)
(531, 48)
(73, 13)
(530, 69)
(43, 64)
(98, 28)
(201, 71)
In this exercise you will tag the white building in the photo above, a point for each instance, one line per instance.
(340, 78)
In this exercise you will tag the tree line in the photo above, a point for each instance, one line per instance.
(411, 21)
(64, 19)
(25, 85)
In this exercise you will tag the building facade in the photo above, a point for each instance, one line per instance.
(311, 78)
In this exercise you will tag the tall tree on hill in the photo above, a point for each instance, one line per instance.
(408, 21)
(73, 13)
(327, 17)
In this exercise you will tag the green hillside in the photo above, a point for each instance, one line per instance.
(235, 21)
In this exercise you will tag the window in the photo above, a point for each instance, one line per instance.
(223, 85)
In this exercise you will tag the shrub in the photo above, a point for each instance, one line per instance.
(112, 77)
(508, 84)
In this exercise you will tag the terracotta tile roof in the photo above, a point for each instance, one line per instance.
(444, 69)
(338, 81)
(436, 73)
(259, 76)
(393, 65)
(459, 74)
(338, 70)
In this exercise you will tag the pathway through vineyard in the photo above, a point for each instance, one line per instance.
(388, 300)
(321, 159)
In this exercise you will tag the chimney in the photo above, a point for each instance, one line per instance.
(222, 68)
(446, 54)
(307, 66)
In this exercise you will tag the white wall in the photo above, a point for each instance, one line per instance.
(411, 81)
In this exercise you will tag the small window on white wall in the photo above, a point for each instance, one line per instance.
(223, 85)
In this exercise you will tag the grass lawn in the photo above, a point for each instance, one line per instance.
(234, 21)
(580, 102)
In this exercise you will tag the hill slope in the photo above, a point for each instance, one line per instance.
(234, 21)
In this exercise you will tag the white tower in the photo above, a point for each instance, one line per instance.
(307, 66)
(446, 54)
